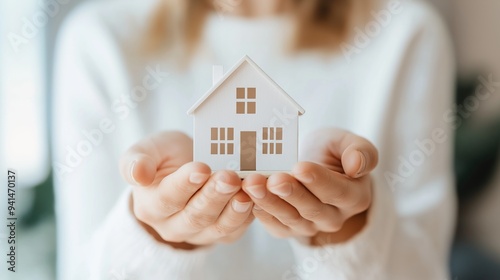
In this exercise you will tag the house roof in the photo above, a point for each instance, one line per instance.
(230, 72)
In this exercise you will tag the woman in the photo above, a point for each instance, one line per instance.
(382, 71)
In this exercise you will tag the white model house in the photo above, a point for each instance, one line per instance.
(246, 122)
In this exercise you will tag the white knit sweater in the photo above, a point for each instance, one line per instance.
(395, 89)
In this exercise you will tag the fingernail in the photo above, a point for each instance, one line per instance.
(282, 190)
(241, 207)
(305, 178)
(198, 178)
(256, 207)
(363, 163)
(257, 191)
(132, 167)
(224, 188)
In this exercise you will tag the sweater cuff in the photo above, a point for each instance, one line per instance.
(123, 248)
(353, 259)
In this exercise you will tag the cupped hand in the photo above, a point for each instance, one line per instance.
(326, 197)
(179, 201)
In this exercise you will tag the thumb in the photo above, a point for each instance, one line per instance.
(138, 168)
(141, 161)
(359, 159)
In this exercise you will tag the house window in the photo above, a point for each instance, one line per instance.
(272, 140)
(222, 141)
(245, 100)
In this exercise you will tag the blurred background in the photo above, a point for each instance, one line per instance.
(28, 29)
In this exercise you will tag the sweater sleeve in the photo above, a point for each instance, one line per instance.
(362, 255)
(88, 138)
(411, 220)
(122, 249)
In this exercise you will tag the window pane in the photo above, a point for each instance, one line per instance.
(222, 149)
(251, 93)
(240, 107)
(279, 133)
(271, 148)
(264, 148)
(230, 133)
(272, 133)
(214, 133)
(213, 149)
(264, 133)
(251, 108)
(240, 93)
(279, 148)
(222, 134)
(230, 148)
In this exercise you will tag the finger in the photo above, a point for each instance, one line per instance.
(359, 156)
(172, 194)
(205, 207)
(277, 207)
(233, 216)
(138, 169)
(326, 217)
(272, 225)
(254, 180)
(333, 188)
(176, 189)
(139, 163)
(240, 231)
(231, 238)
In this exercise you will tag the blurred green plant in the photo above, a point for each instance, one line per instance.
(476, 147)
(43, 204)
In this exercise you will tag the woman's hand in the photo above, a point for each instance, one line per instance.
(179, 201)
(326, 198)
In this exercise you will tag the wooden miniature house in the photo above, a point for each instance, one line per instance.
(246, 122)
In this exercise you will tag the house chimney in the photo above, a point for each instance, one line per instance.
(217, 73)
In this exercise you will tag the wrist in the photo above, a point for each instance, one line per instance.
(175, 245)
(156, 235)
(351, 227)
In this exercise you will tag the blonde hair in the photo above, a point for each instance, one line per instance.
(321, 24)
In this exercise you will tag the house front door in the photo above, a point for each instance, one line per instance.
(248, 150)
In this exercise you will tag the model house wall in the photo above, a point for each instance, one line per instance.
(248, 123)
